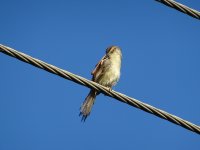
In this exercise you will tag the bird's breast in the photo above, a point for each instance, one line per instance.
(112, 75)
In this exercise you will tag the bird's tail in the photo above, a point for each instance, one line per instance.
(87, 105)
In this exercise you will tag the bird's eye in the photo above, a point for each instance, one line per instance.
(112, 51)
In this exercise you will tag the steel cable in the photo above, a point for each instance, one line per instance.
(82, 81)
(180, 7)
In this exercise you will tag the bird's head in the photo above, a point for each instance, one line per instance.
(113, 50)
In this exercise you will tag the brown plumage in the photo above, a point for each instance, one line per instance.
(106, 73)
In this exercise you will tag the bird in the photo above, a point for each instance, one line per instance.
(106, 73)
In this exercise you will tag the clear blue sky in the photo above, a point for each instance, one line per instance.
(161, 67)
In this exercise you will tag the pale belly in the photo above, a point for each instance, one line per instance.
(110, 78)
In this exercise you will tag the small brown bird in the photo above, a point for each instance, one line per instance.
(106, 73)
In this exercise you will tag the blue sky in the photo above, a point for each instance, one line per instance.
(160, 66)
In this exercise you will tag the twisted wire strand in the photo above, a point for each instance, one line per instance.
(180, 7)
(82, 81)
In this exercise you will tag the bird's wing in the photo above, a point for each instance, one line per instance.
(98, 68)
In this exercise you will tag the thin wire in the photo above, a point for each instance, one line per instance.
(180, 7)
(82, 81)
